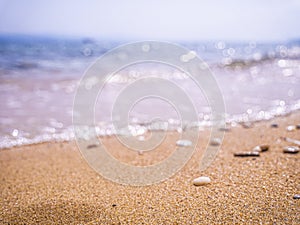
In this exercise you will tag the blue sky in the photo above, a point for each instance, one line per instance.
(163, 20)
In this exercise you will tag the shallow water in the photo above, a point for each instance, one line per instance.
(39, 77)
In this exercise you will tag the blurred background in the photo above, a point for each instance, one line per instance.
(168, 20)
(252, 47)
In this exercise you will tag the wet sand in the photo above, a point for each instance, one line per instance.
(51, 183)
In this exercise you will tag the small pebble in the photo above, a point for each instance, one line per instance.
(298, 126)
(291, 149)
(291, 128)
(183, 143)
(296, 196)
(140, 152)
(261, 148)
(247, 125)
(92, 146)
(215, 141)
(114, 205)
(226, 129)
(274, 125)
(246, 154)
(201, 181)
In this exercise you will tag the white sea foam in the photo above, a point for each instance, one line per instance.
(258, 82)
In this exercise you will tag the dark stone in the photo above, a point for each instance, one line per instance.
(246, 154)
(296, 196)
(264, 148)
(92, 146)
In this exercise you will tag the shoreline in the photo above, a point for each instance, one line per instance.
(206, 127)
(51, 183)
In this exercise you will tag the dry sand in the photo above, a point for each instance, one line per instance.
(52, 184)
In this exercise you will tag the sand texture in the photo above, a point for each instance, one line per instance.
(51, 183)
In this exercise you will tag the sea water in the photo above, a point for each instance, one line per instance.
(39, 78)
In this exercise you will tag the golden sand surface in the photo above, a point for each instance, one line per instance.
(51, 183)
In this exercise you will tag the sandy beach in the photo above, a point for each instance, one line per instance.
(51, 183)
(113, 112)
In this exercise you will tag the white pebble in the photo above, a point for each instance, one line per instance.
(261, 148)
(256, 149)
(291, 128)
(201, 181)
(183, 143)
(291, 149)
